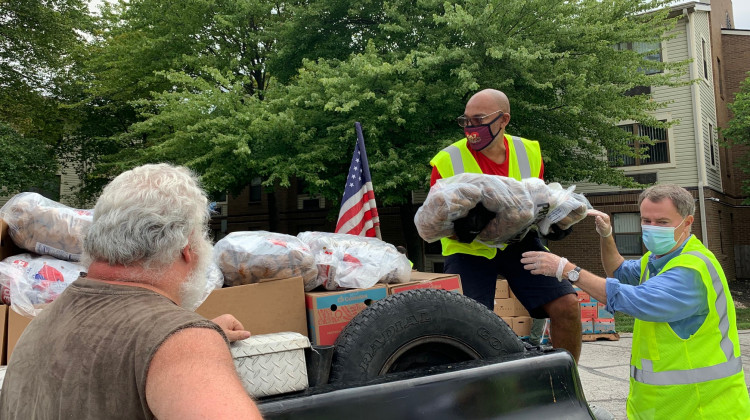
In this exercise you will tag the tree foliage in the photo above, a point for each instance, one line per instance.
(738, 130)
(238, 89)
(26, 164)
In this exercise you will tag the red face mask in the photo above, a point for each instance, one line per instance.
(480, 136)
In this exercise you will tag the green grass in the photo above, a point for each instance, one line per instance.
(624, 323)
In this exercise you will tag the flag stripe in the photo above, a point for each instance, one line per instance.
(358, 214)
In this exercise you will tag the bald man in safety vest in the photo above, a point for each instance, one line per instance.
(488, 149)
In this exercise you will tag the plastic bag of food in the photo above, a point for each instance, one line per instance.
(44, 226)
(248, 257)
(518, 206)
(356, 262)
(28, 281)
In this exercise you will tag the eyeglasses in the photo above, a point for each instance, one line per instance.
(464, 121)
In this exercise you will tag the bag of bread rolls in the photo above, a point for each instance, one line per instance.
(29, 281)
(355, 262)
(518, 207)
(248, 257)
(44, 226)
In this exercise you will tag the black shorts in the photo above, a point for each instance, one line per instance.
(479, 276)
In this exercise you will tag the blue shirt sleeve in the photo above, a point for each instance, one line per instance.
(676, 296)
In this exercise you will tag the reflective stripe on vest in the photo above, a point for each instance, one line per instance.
(732, 366)
(522, 158)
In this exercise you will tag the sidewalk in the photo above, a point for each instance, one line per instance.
(604, 369)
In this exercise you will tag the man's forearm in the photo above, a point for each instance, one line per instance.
(611, 258)
(590, 283)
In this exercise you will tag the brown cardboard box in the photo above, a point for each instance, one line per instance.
(502, 290)
(270, 306)
(522, 325)
(16, 324)
(3, 329)
(329, 312)
(7, 248)
(510, 307)
(420, 280)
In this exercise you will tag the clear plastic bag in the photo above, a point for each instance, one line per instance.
(518, 206)
(29, 281)
(355, 262)
(248, 257)
(46, 227)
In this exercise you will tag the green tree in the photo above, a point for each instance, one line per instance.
(26, 163)
(737, 133)
(37, 52)
(141, 47)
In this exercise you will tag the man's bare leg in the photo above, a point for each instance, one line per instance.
(565, 324)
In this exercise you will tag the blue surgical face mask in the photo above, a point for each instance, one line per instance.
(659, 239)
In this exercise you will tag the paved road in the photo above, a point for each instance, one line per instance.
(605, 368)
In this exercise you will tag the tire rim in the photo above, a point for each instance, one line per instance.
(428, 351)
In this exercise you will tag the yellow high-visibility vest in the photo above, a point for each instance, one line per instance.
(524, 161)
(699, 377)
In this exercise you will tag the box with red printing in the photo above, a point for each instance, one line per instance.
(588, 310)
(604, 325)
(583, 297)
(329, 312)
(587, 326)
(420, 280)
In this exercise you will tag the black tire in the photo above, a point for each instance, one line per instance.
(419, 328)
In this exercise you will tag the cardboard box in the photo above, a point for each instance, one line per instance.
(270, 306)
(588, 310)
(510, 307)
(508, 320)
(420, 280)
(3, 328)
(604, 326)
(583, 297)
(522, 325)
(271, 364)
(329, 312)
(16, 324)
(587, 326)
(502, 290)
(602, 312)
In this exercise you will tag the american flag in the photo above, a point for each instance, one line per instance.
(358, 214)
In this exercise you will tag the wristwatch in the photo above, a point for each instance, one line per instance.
(573, 274)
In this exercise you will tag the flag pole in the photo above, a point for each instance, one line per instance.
(361, 142)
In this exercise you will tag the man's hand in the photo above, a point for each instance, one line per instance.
(544, 263)
(603, 225)
(233, 328)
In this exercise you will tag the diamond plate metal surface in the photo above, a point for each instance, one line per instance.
(271, 364)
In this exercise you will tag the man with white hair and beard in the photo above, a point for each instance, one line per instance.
(122, 341)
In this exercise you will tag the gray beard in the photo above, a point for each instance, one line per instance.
(192, 291)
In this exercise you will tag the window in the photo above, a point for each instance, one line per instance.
(721, 79)
(256, 190)
(705, 62)
(626, 228)
(658, 152)
(712, 141)
(651, 51)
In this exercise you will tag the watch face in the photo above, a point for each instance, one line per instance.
(573, 275)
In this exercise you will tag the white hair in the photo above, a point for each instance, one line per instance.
(146, 216)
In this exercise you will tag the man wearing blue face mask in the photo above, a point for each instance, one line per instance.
(489, 150)
(685, 360)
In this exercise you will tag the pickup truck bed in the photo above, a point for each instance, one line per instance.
(535, 384)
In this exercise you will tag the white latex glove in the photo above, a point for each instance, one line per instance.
(544, 263)
(603, 225)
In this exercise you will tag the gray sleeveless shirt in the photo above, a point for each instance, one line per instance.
(86, 355)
